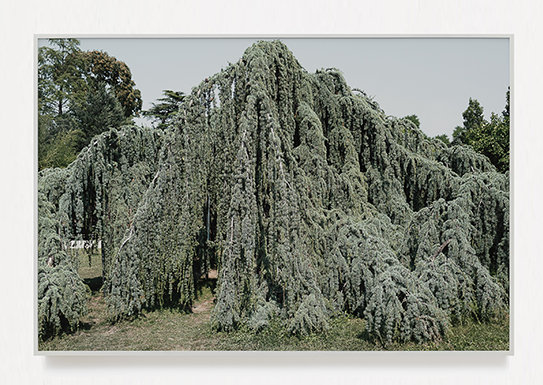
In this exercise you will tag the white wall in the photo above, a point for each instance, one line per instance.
(19, 21)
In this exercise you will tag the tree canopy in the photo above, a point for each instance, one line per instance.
(99, 111)
(414, 119)
(165, 113)
(102, 68)
(61, 79)
(310, 201)
(490, 138)
(69, 81)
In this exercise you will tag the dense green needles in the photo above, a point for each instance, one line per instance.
(309, 200)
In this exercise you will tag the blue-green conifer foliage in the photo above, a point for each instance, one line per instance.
(310, 201)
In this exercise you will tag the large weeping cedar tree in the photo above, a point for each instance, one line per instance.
(308, 198)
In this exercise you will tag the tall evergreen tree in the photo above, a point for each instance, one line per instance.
(506, 112)
(473, 120)
(61, 292)
(99, 112)
(165, 113)
(61, 76)
(473, 116)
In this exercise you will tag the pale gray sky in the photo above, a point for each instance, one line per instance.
(432, 78)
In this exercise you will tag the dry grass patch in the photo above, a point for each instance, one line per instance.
(176, 330)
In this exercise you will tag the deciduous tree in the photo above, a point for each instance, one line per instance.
(414, 119)
(490, 138)
(104, 68)
(68, 80)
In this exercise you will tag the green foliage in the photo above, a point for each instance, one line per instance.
(99, 112)
(102, 68)
(457, 134)
(61, 85)
(488, 138)
(73, 104)
(61, 81)
(444, 138)
(492, 140)
(414, 119)
(61, 151)
(308, 198)
(61, 292)
(166, 112)
(473, 116)
(402, 307)
(104, 187)
(61, 299)
(506, 112)
(473, 121)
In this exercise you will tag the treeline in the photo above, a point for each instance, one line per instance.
(80, 95)
(490, 138)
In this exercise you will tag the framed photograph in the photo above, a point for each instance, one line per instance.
(273, 193)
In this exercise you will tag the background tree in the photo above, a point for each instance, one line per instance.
(490, 138)
(61, 76)
(104, 68)
(98, 112)
(473, 116)
(414, 119)
(473, 120)
(61, 151)
(61, 85)
(444, 138)
(164, 113)
(505, 112)
(69, 84)
(457, 134)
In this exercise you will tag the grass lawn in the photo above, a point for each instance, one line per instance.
(175, 330)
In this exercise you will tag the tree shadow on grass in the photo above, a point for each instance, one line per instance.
(86, 325)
